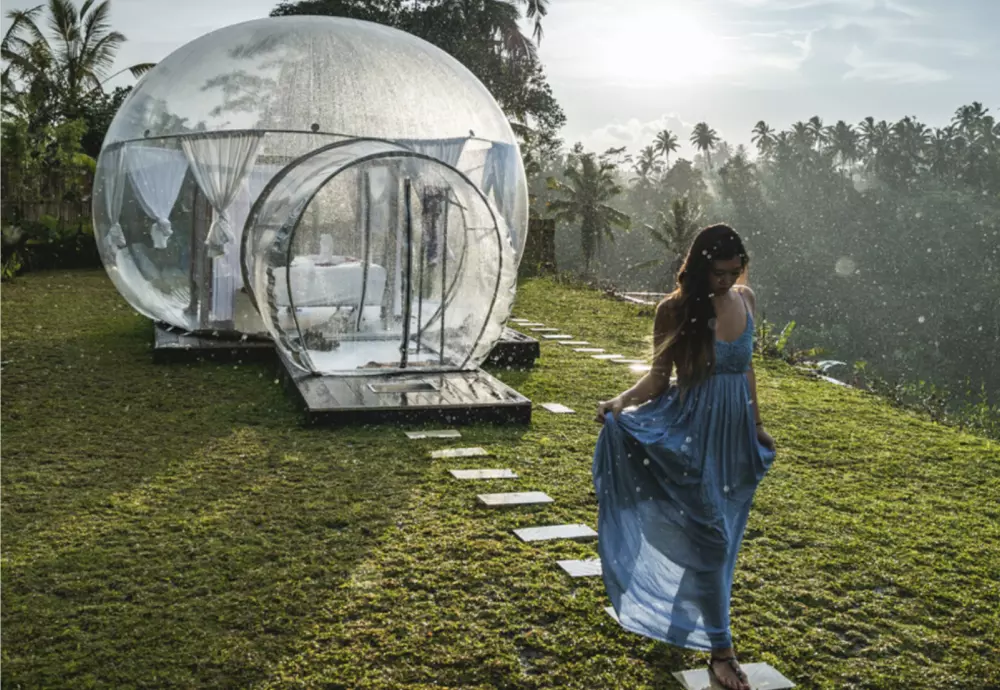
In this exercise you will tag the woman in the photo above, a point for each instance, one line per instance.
(675, 477)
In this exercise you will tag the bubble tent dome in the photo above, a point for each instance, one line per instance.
(344, 188)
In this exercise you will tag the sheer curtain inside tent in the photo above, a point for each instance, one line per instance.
(114, 194)
(227, 277)
(156, 174)
(221, 164)
(499, 179)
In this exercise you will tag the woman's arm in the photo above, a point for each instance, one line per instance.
(657, 380)
(653, 383)
(762, 435)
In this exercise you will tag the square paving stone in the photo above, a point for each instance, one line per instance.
(761, 676)
(516, 498)
(607, 356)
(440, 433)
(588, 568)
(640, 368)
(528, 324)
(483, 474)
(545, 329)
(588, 349)
(458, 453)
(558, 336)
(519, 320)
(558, 408)
(574, 342)
(628, 361)
(550, 532)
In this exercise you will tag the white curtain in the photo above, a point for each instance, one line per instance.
(445, 150)
(220, 164)
(156, 174)
(499, 177)
(114, 193)
(227, 276)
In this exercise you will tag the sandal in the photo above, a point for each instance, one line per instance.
(734, 664)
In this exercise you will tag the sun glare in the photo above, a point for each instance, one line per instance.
(662, 48)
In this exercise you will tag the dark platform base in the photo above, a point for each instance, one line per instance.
(515, 350)
(171, 345)
(454, 398)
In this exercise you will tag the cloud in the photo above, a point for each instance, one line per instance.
(900, 72)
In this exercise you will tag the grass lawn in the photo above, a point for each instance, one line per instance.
(176, 527)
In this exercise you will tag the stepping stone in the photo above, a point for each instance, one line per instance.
(761, 676)
(574, 342)
(528, 324)
(483, 474)
(545, 329)
(558, 336)
(516, 498)
(588, 349)
(519, 320)
(628, 361)
(440, 433)
(458, 453)
(610, 610)
(558, 408)
(641, 368)
(588, 568)
(607, 356)
(549, 532)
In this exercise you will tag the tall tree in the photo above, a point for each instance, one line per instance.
(75, 58)
(666, 143)
(586, 197)
(705, 139)
(674, 230)
(763, 138)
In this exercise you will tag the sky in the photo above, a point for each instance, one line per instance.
(624, 70)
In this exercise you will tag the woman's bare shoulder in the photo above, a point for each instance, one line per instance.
(748, 294)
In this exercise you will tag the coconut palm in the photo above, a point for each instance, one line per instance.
(842, 143)
(75, 59)
(815, 126)
(666, 143)
(590, 186)
(763, 138)
(705, 139)
(674, 230)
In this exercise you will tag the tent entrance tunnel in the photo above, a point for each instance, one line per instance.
(365, 257)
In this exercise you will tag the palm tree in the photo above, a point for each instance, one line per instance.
(77, 58)
(968, 116)
(647, 165)
(704, 139)
(763, 138)
(802, 137)
(842, 143)
(675, 230)
(591, 185)
(536, 10)
(815, 126)
(666, 143)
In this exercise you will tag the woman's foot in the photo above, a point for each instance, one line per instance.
(725, 670)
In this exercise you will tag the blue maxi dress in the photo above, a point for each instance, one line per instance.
(674, 481)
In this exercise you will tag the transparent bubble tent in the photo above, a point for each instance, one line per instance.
(346, 189)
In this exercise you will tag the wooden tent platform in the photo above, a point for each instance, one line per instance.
(170, 344)
(453, 398)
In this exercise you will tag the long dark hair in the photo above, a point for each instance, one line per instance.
(691, 342)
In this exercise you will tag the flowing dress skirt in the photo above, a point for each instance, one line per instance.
(674, 481)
